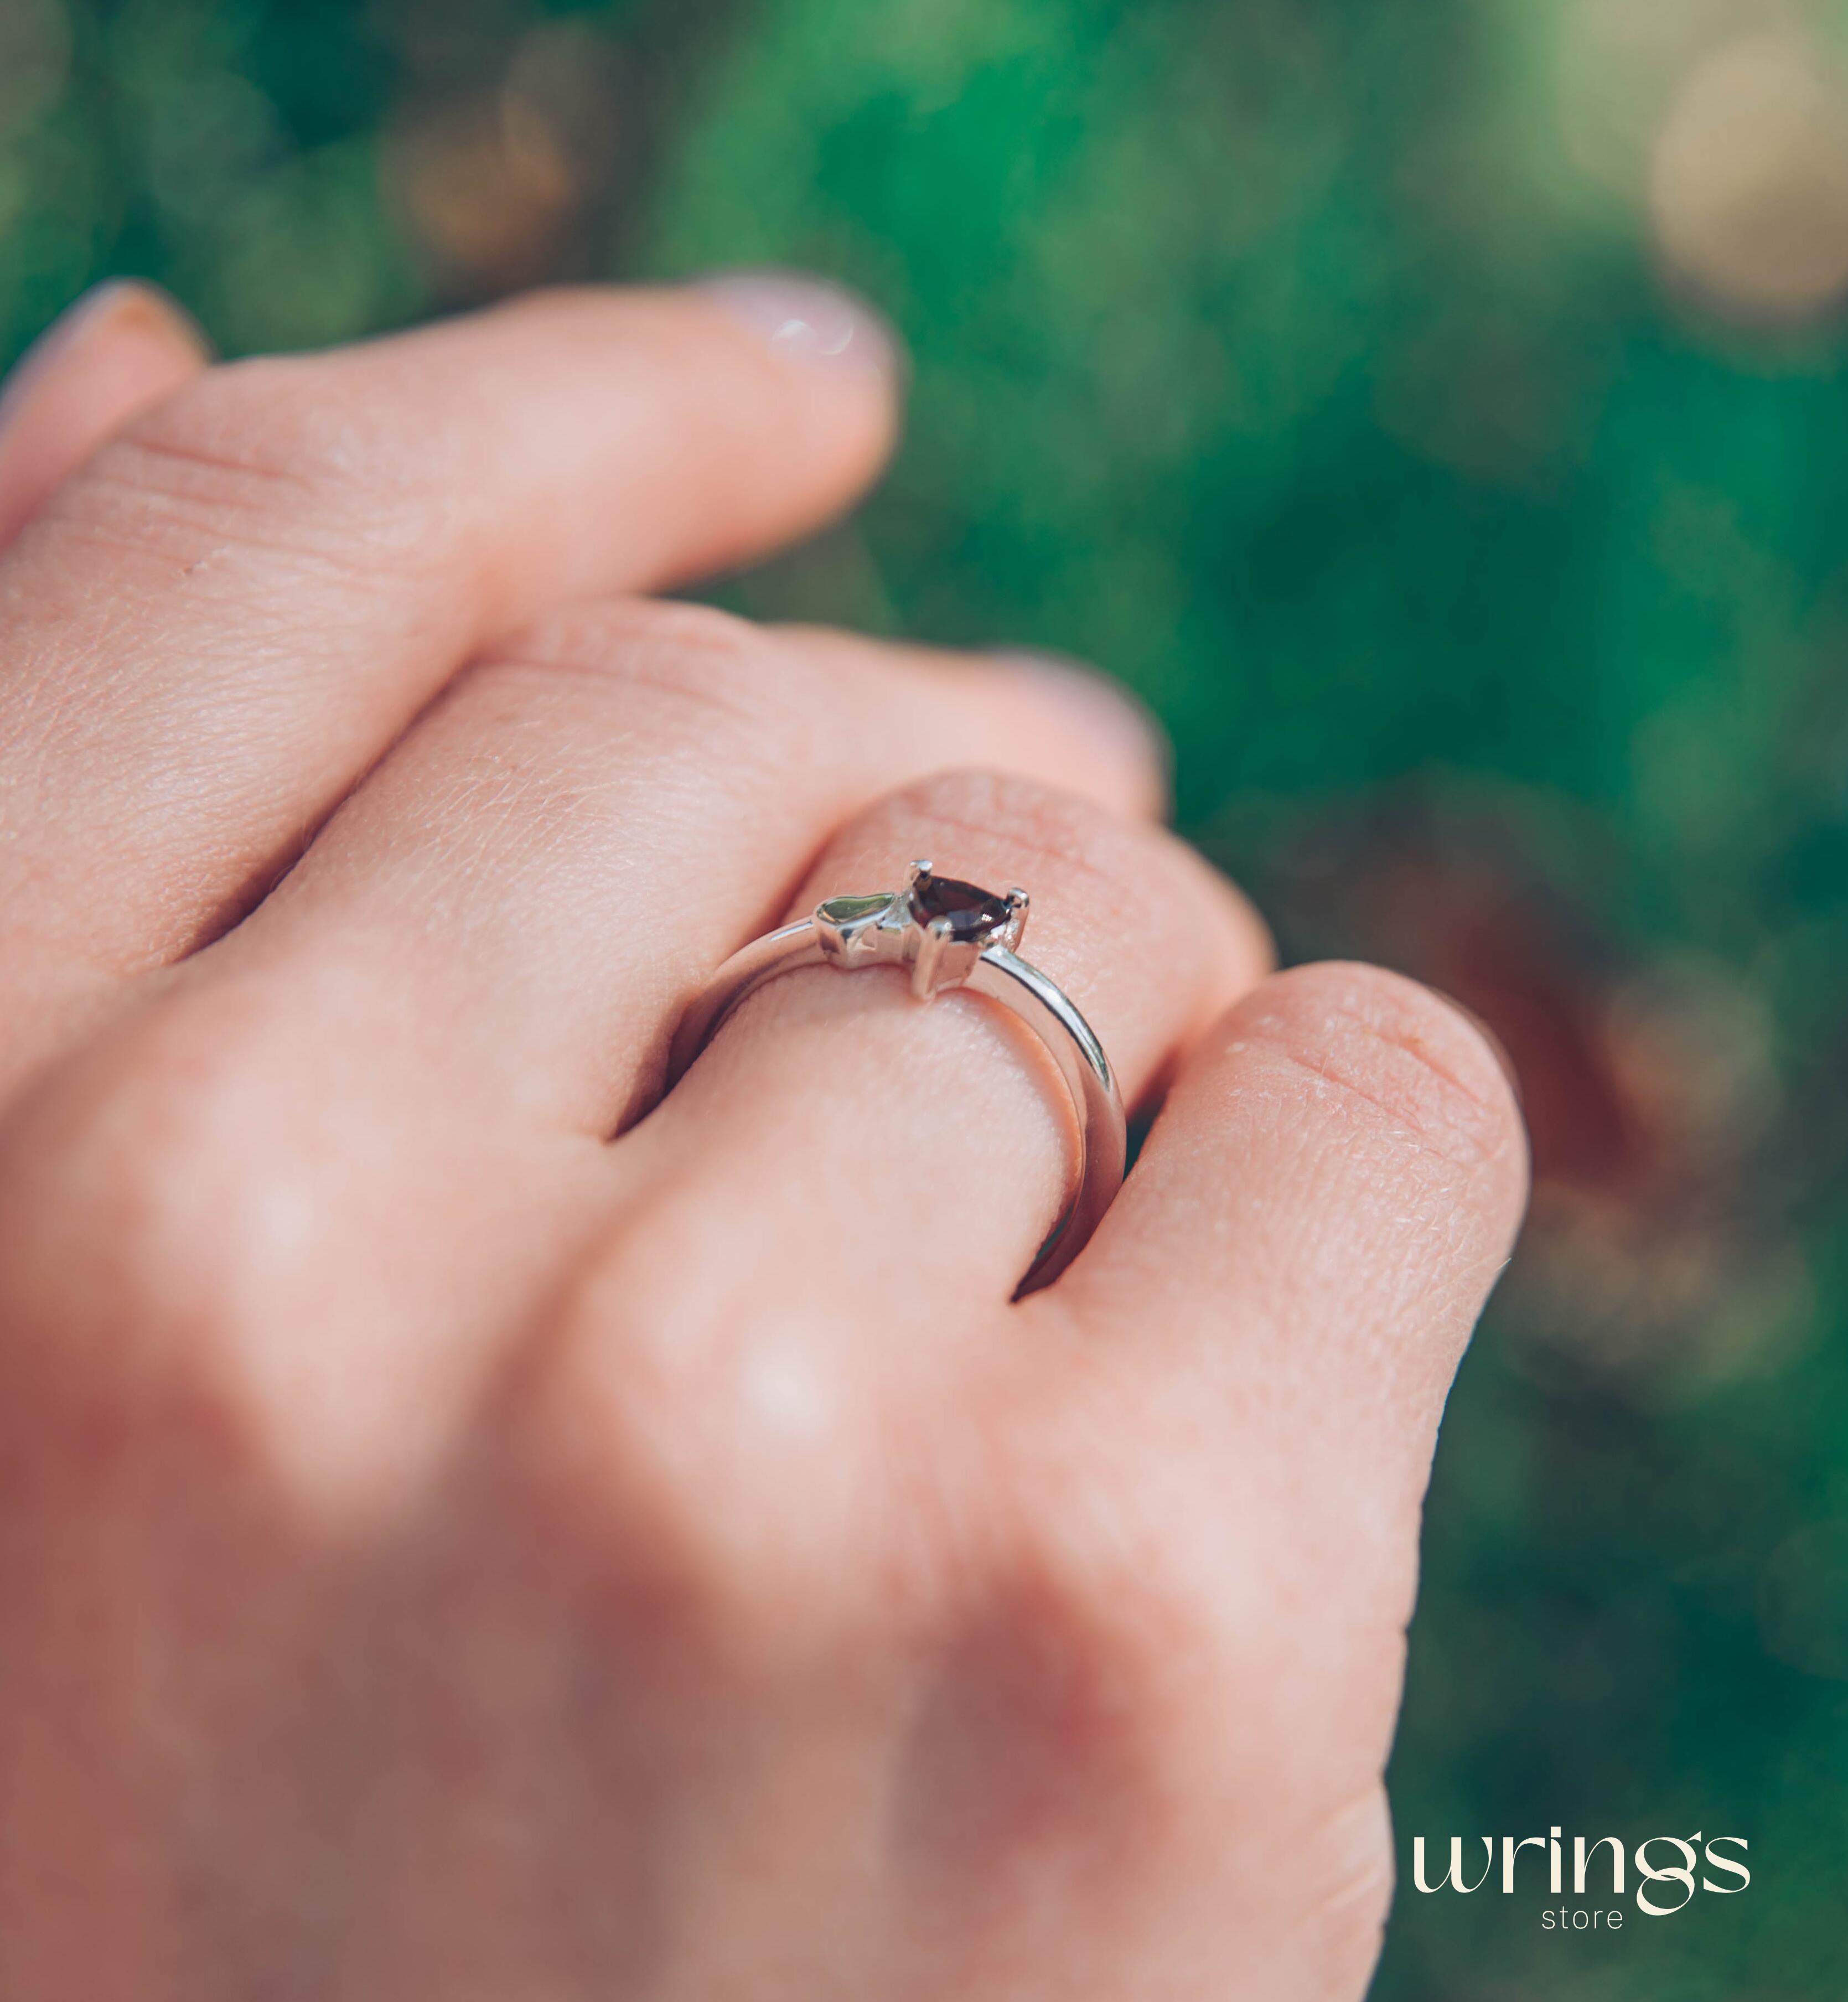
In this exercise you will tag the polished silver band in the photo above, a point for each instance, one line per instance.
(946, 934)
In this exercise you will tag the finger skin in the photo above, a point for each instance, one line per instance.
(236, 605)
(743, 1637)
(1281, 1296)
(1333, 1187)
(1048, 715)
(483, 955)
(120, 350)
(747, 1642)
(1243, 1372)
(591, 818)
(851, 1114)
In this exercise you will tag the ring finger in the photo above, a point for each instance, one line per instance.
(833, 1127)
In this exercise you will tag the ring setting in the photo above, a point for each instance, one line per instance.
(945, 933)
(938, 926)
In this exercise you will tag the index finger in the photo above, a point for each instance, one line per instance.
(218, 623)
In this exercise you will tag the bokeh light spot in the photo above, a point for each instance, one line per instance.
(1749, 181)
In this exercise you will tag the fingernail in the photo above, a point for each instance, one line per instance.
(126, 302)
(1119, 723)
(808, 319)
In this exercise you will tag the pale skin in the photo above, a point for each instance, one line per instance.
(468, 1529)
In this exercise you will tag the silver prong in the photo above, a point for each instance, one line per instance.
(1017, 899)
(921, 868)
(930, 953)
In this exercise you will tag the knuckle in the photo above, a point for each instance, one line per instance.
(1126, 870)
(152, 1228)
(259, 454)
(1096, 881)
(617, 635)
(1080, 1692)
(675, 679)
(701, 1458)
(1406, 1060)
(1019, 812)
(1121, 874)
(1133, 1672)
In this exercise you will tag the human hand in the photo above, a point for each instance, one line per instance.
(446, 1553)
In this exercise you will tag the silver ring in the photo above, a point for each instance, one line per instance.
(949, 934)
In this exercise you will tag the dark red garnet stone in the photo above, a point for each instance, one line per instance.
(972, 913)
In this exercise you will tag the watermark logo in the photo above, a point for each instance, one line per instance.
(1668, 1872)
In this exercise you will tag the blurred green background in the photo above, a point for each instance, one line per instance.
(1436, 409)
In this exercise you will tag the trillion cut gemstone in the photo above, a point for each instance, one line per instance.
(853, 910)
(974, 915)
